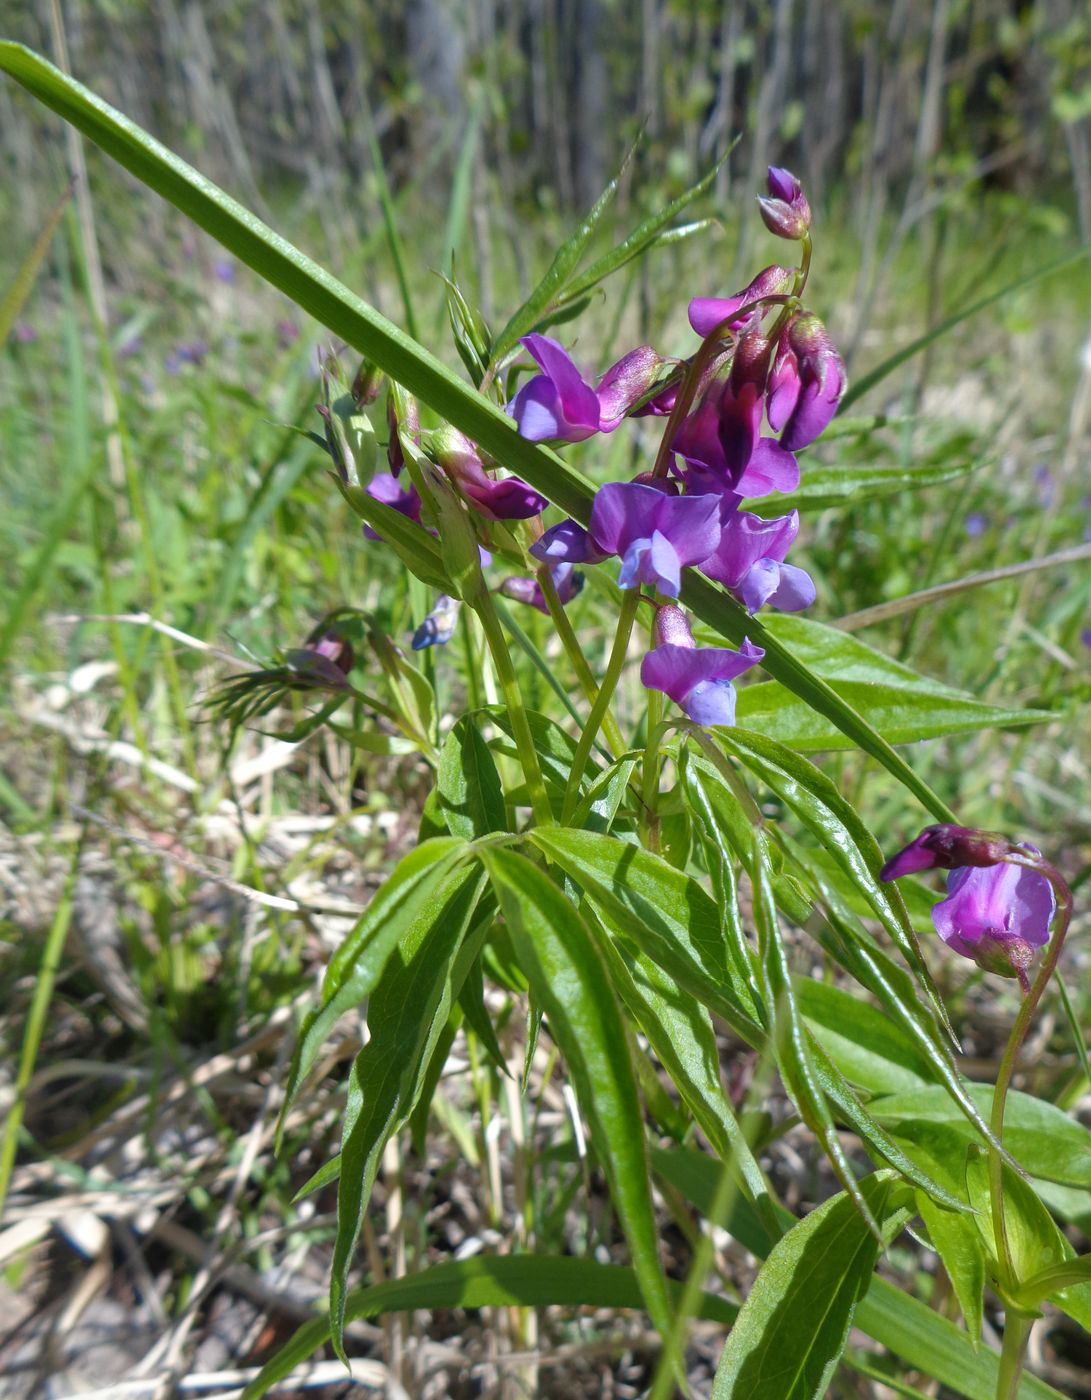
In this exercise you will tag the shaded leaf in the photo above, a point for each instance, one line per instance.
(467, 783)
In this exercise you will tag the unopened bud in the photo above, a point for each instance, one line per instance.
(780, 218)
(948, 847)
(672, 628)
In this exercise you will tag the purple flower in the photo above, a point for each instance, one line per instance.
(334, 649)
(559, 405)
(786, 212)
(506, 498)
(224, 270)
(567, 581)
(977, 522)
(438, 627)
(567, 543)
(23, 333)
(706, 313)
(822, 380)
(385, 488)
(749, 562)
(698, 679)
(656, 534)
(996, 912)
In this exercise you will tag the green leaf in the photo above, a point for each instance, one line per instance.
(470, 796)
(1042, 1139)
(902, 705)
(487, 1281)
(956, 1240)
(413, 545)
(412, 899)
(789, 1336)
(824, 487)
(908, 1328)
(658, 910)
(836, 824)
(568, 978)
(793, 1051)
(680, 1033)
(867, 1047)
(409, 364)
(645, 235)
(407, 1016)
(547, 293)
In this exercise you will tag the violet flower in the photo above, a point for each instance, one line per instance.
(805, 398)
(438, 627)
(384, 487)
(749, 562)
(567, 580)
(996, 912)
(559, 405)
(567, 543)
(706, 313)
(656, 534)
(697, 679)
(505, 498)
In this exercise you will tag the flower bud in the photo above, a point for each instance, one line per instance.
(781, 219)
(822, 381)
(672, 627)
(367, 385)
(402, 416)
(947, 847)
(438, 627)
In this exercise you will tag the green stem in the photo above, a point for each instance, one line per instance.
(513, 700)
(1019, 1030)
(626, 617)
(36, 1020)
(575, 654)
(1016, 1336)
(649, 792)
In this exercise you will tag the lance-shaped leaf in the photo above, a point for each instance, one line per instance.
(826, 486)
(410, 901)
(407, 1014)
(659, 910)
(569, 980)
(487, 1281)
(956, 1240)
(409, 364)
(468, 785)
(789, 1336)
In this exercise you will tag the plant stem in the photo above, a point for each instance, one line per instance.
(626, 617)
(1019, 1030)
(1016, 1335)
(513, 700)
(575, 654)
(650, 779)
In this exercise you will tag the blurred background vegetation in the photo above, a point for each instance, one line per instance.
(151, 395)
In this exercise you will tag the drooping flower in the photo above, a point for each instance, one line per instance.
(567, 580)
(806, 397)
(749, 562)
(386, 489)
(504, 498)
(706, 313)
(559, 405)
(567, 543)
(996, 912)
(698, 679)
(656, 534)
(438, 627)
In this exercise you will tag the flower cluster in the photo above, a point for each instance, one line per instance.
(763, 384)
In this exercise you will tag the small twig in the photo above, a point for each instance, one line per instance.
(163, 628)
(882, 612)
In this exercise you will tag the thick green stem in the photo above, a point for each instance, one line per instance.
(626, 617)
(1016, 1335)
(1019, 1030)
(575, 654)
(513, 700)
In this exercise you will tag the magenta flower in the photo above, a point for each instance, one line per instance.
(505, 498)
(567, 581)
(805, 395)
(697, 679)
(706, 313)
(559, 405)
(656, 534)
(786, 212)
(947, 847)
(749, 562)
